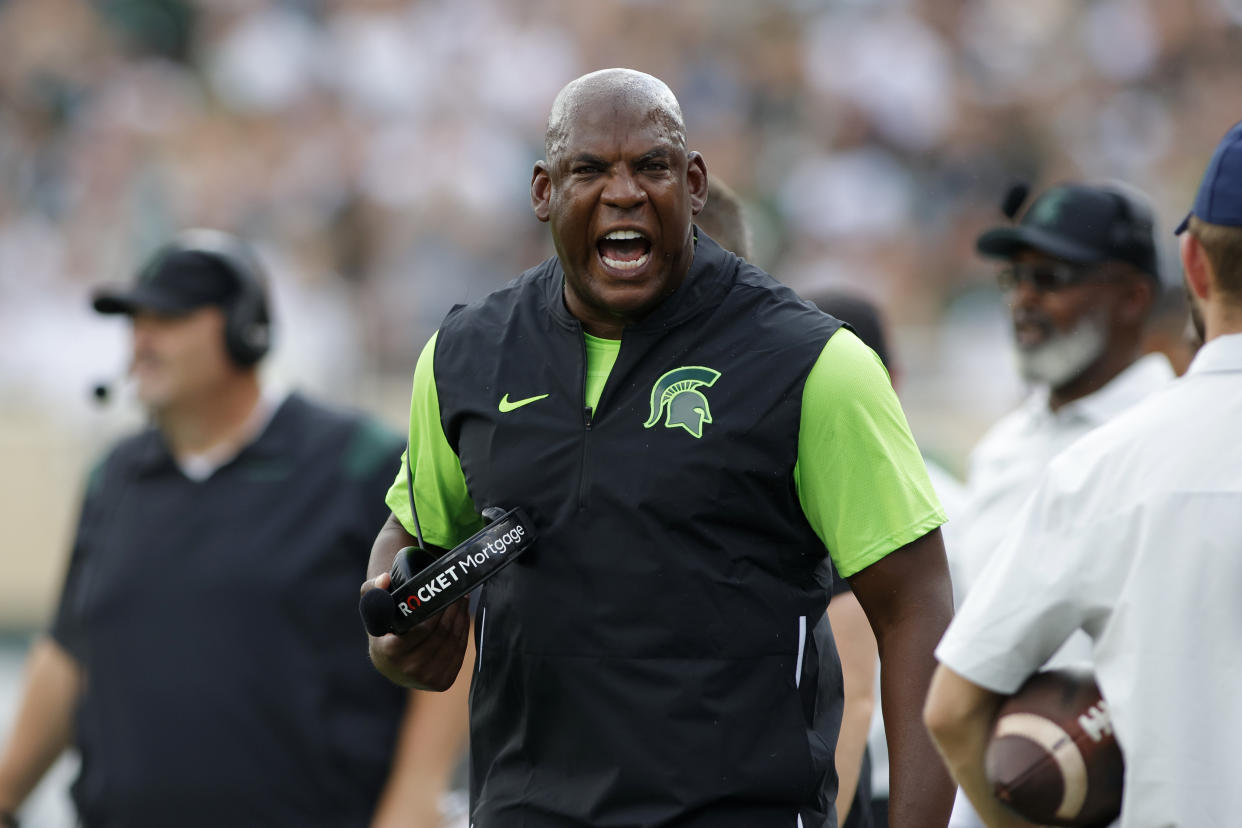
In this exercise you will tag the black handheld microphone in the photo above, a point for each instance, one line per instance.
(417, 594)
(423, 585)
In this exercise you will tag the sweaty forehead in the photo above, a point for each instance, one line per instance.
(605, 122)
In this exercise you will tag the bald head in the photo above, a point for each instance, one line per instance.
(627, 89)
(618, 190)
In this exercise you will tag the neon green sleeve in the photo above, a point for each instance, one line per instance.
(859, 475)
(445, 509)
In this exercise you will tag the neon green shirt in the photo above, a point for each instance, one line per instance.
(601, 356)
(859, 475)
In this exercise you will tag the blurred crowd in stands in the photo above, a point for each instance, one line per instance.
(379, 153)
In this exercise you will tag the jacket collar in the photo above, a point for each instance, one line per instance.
(1222, 354)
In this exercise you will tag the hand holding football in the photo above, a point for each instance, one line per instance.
(1052, 757)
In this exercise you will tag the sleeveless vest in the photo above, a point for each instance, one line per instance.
(650, 661)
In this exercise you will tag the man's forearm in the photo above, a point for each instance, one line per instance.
(920, 790)
(959, 716)
(44, 724)
(856, 648)
(909, 602)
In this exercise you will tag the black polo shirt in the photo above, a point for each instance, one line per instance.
(227, 675)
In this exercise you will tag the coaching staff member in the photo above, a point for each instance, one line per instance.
(1080, 274)
(689, 437)
(1132, 536)
(204, 657)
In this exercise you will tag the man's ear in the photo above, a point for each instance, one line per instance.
(541, 191)
(1196, 265)
(1137, 298)
(696, 178)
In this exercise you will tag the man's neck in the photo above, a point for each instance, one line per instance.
(1221, 320)
(217, 421)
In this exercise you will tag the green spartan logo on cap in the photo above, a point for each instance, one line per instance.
(676, 394)
(1048, 210)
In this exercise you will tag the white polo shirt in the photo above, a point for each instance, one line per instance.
(1135, 536)
(1007, 462)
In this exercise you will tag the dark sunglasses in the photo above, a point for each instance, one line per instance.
(1044, 276)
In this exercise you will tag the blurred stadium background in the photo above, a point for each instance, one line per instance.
(379, 152)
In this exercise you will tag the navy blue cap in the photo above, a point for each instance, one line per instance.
(1081, 224)
(1220, 193)
(174, 282)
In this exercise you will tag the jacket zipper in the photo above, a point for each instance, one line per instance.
(583, 477)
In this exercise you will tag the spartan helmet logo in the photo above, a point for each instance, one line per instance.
(677, 391)
(1048, 209)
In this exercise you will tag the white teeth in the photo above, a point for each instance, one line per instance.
(617, 264)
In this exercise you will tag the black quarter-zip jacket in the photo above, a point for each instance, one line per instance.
(650, 662)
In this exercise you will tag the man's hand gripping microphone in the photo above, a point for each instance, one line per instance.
(418, 589)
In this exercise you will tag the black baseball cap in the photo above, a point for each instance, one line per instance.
(1219, 200)
(1081, 224)
(174, 282)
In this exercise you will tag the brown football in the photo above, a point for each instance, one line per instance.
(1052, 757)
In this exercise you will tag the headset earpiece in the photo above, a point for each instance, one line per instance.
(248, 324)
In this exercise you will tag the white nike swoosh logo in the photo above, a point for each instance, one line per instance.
(506, 406)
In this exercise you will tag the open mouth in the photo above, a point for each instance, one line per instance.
(1029, 336)
(624, 250)
(1030, 330)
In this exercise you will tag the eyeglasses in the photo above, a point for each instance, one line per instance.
(1044, 276)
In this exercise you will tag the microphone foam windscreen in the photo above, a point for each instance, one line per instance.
(378, 611)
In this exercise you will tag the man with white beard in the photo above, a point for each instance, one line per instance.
(1081, 275)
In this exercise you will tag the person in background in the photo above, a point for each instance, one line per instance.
(1171, 331)
(204, 655)
(724, 219)
(1132, 537)
(1080, 274)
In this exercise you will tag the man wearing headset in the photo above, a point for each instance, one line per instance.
(204, 656)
